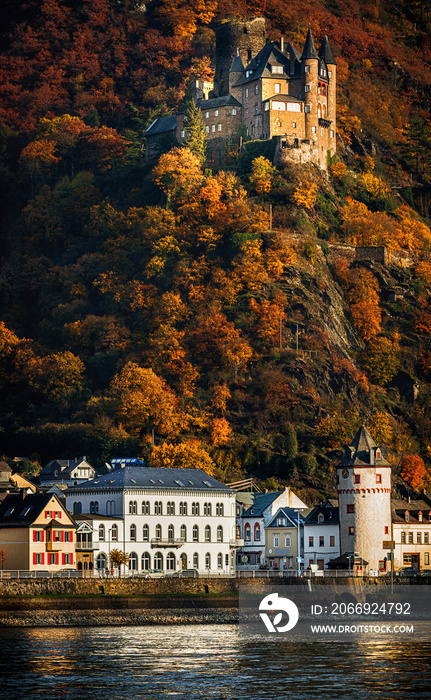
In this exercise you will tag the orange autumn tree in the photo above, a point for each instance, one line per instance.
(413, 471)
(186, 455)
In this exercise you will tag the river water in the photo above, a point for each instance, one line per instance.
(205, 661)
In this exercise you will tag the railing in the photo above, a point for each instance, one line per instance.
(86, 546)
(168, 542)
(236, 543)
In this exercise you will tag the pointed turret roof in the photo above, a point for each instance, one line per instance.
(325, 51)
(309, 47)
(362, 451)
(237, 65)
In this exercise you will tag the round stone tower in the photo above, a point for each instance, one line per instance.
(364, 495)
(310, 78)
(236, 37)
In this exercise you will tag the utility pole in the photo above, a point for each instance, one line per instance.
(297, 338)
(270, 217)
(279, 327)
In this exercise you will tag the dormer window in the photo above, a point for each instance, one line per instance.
(321, 518)
(276, 69)
(407, 516)
(420, 517)
(378, 453)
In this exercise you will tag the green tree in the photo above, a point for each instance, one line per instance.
(417, 147)
(195, 131)
(290, 443)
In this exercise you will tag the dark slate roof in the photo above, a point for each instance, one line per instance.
(260, 503)
(271, 54)
(345, 561)
(361, 451)
(214, 102)
(152, 478)
(64, 466)
(282, 96)
(399, 508)
(162, 125)
(26, 508)
(309, 50)
(290, 514)
(237, 65)
(330, 515)
(325, 52)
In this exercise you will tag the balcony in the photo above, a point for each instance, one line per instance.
(236, 543)
(86, 546)
(168, 542)
(325, 123)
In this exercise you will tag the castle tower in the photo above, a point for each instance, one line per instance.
(235, 73)
(246, 38)
(310, 74)
(328, 63)
(364, 494)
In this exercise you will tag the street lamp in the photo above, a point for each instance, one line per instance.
(298, 542)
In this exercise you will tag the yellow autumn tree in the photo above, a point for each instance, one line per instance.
(179, 174)
(221, 432)
(262, 174)
(305, 195)
(185, 455)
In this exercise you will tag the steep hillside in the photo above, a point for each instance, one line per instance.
(152, 309)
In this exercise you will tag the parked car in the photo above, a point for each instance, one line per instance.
(68, 573)
(407, 571)
(189, 573)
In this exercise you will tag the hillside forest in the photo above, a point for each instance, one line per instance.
(201, 314)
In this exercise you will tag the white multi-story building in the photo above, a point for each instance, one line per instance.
(164, 519)
(322, 535)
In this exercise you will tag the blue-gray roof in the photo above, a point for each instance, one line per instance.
(290, 514)
(261, 502)
(162, 125)
(152, 478)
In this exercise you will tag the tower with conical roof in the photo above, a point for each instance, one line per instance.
(309, 71)
(364, 494)
(327, 94)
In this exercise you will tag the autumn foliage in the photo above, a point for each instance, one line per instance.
(413, 471)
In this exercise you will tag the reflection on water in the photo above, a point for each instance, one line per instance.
(205, 661)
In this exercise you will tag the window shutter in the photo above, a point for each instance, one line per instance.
(34, 557)
(56, 558)
(43, 536)
(34, 535)
(42, 558)
(63, 558)
(71, 558)
(71, 536)
(62, 535)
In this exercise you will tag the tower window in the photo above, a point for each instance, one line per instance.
(246, 92)
(313, 129)
(329, 74)
(277, 87)
(350, 508)
(378, 478)
(307, 69)
(307, 88)
(356, 478)
(351, 530)
(307, 109)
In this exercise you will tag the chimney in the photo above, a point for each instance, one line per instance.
(282, 44)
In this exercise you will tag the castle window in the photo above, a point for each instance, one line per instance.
(207, 129)
(329, 74)
(307, 88)
(350, 508)
(294, 125)
(207, 115)
(378, 478)
(218, 127)
(256, 89)
(234, 110)
(323, 72)
(216, 112)
(307, 69)
(356, 478)
(277, 87)
(307, 109)
(276, 69)
(313, 129)
(213, 128)
(332, 133)
(183, 133)
(246, 92)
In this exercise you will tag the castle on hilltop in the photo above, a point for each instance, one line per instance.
(263, 90)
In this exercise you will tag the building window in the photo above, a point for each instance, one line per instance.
(145, 533)
(197, 509)
(195, 533)
(307, 69)
(350, 508)
(170, 533)
(321, 541)
(207, 509)
(101, 533)
(219, 560)
(145, 507)
(246, 112)
(351, 530)
(407, 559)
(208, 560)
(419, 538)
(307, 109)
(276, 541)
(183, 533)
(207, 533)
(219, 534)
(256, 89)
(220, 509)
(277, 88)
(426, 538)
(256, 109)
(246, 92)
(183, 133)
(196, 560)
(320, 518)
(332, 133)
(207, 129)
(216, 113)
(257, 532)
(378, 478)
(420, 516)
(382, 565)
(403, 538)
(213, 128)
(158, 508)
(294, 125)
(183, 508)
(329, 74)
(94, 507)
(170, 562)
(218, 127)
(287, 541)
(311, 541)
(356, 478)
(114, 533)
(426, 558)
(233, 111)
(207, 115)
(158, 561)
(313, 129)
(410, 537)
(133, 561)
(386, 529)
(158, 532)
(307, 88)
(332, 540)
(406, 516)
(276, 69)
(133, 533)
(133, 506)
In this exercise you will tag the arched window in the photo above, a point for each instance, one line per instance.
(238, 532)
(94, 506)
(170, 533)
(133, 561)
(145, 562)
(101, 533)
(320, 518)
(114, 533)
(183, 561)
(219, 534)
(158, 532)
(324, 111)
(257, 532)
(207, 533)
(145, 533)
(170, 508)
(195, 533)
(195, 508)
(208, 560)
(101, 561)
(247, 532)
(219, 560)
(133, 533)
(158, 508)
(196, 560)
(183, 508)
(77, 508)
(319, 111)
(170, 562)
(145, 507)
(183, 533)
(133, 507)
(110, 507)
(158, 561)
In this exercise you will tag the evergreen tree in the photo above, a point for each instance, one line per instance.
(195, 130)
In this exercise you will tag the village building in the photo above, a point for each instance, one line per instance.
(411, 533)
(11, 481)
(322, 535)
(263, 90)
(284, 540)
(36, 533)
(166, 520)
(252, 523)
(66, 472)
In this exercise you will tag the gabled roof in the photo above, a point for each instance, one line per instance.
(271, 55)
(361, 451)
(151, 478)
(309, 50)
(214, 102)
(325, 52)
(261, 503)
(21, 510)
(416, 506)
(287, 98)
(330, 515)
(64, 466)
(162, 125)
(290, 514)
